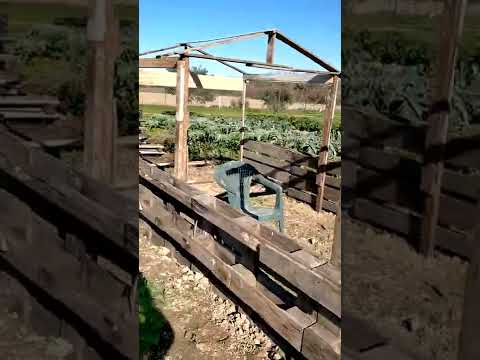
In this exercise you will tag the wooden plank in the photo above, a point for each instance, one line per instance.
(227, 40)
(163, 62)
(320, 343)
(278, 152)
(267, 160)
(9, 115)
(453, 211)
(54, 171)
(58, 275)
(463, 152)
(271, 47)
(208, 207)
(409, 225)
(327, 129)
(266, 170)
(305, 52)
(375, 129)
(77, 207)
(395, 165)
(181, 146)
(234, 60)
(307, 259)
(436, 137)
(232, 278)
(314, 284)
(310, 198)
(27, 101)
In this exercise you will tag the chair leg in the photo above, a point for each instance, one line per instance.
(281, 225)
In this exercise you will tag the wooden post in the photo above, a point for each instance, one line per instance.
(181, 145)
(327, 129)
(242, 130)
(99, 125)
(336, 257)
(271, 47)
(436, 136)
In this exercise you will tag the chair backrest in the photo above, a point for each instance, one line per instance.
(236, 178)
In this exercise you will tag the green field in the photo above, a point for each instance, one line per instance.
(312, 118)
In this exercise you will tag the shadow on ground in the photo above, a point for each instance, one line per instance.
(156, 334)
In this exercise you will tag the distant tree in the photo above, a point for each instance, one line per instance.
(199, 70)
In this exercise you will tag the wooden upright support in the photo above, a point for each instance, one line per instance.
(436, 136)
(182, 123)
(327, 129)
(242, 130)
(100, 122)
(271, 46)
(336, 257)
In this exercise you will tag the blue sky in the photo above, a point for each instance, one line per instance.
(315, 24)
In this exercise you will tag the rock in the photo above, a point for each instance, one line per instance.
(258, 342)
(230, 310)
(163, 251)
(204, 283)
(59, 348)
(202, 347)
(277, 357)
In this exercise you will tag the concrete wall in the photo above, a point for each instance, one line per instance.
(159, 98)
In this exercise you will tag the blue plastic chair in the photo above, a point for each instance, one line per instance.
(236, 178)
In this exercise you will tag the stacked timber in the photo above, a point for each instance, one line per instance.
(293, 292)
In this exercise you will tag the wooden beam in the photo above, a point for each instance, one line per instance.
(436, 137)
(228, 40)
(305, 52)
(102, 37)
(234, 60)
(163, 62)
(271, 47)
(181, 154)
(327, 129)
(221, 62)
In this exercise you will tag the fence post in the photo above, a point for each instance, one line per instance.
(242, 130)
(99, 144)
(336, 257)
(181, 144)
(436, 136)
(327, 129)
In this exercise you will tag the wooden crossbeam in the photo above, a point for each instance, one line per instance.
(305, 52)
(163, 62)
(234, 60)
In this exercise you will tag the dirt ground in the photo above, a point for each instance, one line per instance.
(19, 342)
(202, 325)
(313, 231)
(415, 302)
